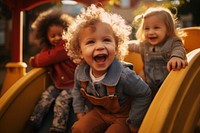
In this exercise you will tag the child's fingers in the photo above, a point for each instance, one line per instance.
(173, 65)
(169, 66)
(179, 65)
(185, 63)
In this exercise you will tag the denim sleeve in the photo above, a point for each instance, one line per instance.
(78, 99)
(140, 93)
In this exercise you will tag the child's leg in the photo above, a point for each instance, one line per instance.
(90, 123)
(43, 105)
(118, 126)
(61, 111)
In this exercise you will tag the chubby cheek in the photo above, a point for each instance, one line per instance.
(113, 54)
(146, 35)
(85, 54)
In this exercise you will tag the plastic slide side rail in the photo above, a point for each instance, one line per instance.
(176, 107)
(18, 102)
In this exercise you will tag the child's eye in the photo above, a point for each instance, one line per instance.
(156, 27)
(146, 29)
(107, 40)
(90, 42)
(52, 36)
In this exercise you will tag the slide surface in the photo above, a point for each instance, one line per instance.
(18, 102)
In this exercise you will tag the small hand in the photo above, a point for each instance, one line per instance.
(133, 129)
(176, 63)
(31, 58)
(80, 115)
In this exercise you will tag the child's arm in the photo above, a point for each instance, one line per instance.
(78, 99)
(140, 93)
(176, 63)
(49, 56)
(178, 56)
(133, 129)
(134, 46)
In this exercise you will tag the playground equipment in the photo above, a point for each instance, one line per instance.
(175, 108)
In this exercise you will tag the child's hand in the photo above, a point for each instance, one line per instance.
(80, 115)
(133, 129)
(31, 58)
(176, 63)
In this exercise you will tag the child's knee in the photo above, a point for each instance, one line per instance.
(78, 128)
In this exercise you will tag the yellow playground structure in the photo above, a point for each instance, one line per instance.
(175, 108)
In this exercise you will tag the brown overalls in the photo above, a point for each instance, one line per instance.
(106, 116)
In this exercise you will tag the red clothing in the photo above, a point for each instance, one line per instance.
(60, 67)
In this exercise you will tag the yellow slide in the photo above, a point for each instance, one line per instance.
(176, 107)
(18, 102)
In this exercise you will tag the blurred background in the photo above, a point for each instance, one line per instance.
(187, 12)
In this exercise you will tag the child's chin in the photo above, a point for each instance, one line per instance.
(153, 43)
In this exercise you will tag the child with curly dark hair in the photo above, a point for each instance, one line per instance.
(49, 28)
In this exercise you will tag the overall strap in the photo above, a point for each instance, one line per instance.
(84, 84)
(110, 89)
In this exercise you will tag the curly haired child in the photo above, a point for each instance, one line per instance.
(118, 97)
(159, 43)
(49, 28)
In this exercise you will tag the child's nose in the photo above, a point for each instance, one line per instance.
(58, 37)
(100, 46)
(151, 31)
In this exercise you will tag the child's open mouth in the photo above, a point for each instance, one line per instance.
(152, 38)
(100, 58)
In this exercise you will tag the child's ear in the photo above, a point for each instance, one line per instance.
(81, 55)
(115, 52)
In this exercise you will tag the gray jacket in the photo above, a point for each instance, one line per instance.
(155, 59)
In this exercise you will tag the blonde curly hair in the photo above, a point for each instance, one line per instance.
(91, 15)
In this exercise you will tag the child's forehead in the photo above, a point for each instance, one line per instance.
(55, 27)
(98, 25)
(96, 30)
(153, 14)
(156, 16)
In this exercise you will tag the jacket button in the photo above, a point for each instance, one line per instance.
(62, 77)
